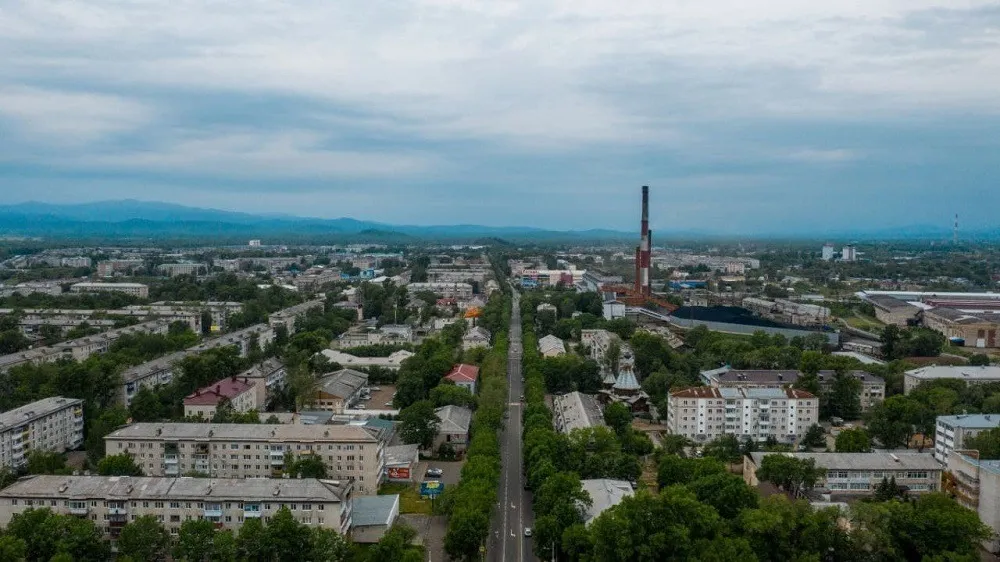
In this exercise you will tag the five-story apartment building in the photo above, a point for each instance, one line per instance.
(221, 450)
(51, 424)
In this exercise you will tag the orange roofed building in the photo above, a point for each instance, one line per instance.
(751, 414)
(465, 376)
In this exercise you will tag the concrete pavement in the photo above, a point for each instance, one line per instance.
(513, 511)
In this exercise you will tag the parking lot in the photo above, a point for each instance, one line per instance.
(452, 471)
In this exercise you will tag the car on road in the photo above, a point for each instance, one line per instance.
(522, 398)
(434, 472)
(527, 531)
(360, 407)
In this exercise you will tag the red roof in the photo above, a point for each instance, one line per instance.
(226, 388)
(796, 393)
(463, 373)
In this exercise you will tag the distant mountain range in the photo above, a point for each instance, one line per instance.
(131, 219)
(142, 219)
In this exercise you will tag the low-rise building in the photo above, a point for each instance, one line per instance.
(975, 330)
(604, 494)
(340, 390)
(393, 362)
(113, 501)
(477, 336)
(597, 342)
(971, 375)
(109, 268)
(52, 424)
(551, 346)
(465, 376)
(894, 311)
(975, 484)
(706, 413)
(575, 410)
(373, 517)
(872, 387)
(232, 450)
(951, 432)
(454, 428)
(857, 474)
(131, 289)
(401, 462)
(205, 402)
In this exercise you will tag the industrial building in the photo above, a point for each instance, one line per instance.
(973, 330)
(889, 310)
(854, 475)
(111, 502)
(230, 450)
(951, 432)
(52, 425)
(705, 413)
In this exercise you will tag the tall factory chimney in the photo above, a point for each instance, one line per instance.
(643, 281)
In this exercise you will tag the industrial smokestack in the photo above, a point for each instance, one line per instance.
(649, 265)
(643, 280)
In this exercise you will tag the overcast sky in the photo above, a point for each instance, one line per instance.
(742, 115)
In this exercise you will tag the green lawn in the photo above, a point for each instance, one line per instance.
(409, 497)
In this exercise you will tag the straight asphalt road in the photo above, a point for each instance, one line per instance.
(513, 511)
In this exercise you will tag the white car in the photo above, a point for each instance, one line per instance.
(527, 531)
(359, 407)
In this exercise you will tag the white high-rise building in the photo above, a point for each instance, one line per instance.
(705, 413)
(828, 252)
(850, 253)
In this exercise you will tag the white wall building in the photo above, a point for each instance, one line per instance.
(132, 289)
(705, 413)
(113, 501)
(229, 450)
(52, 424)
(969, 374)
(977, 487)
(952, 432)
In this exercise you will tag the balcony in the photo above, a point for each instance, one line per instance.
(251, 512)
(80, 509)
(170, 459)
(171, 470)
(121, 510)
(213, 511)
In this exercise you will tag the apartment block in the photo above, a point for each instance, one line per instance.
(975, 484)
(872, 387)
(131, 289)
(111, 502)
(161, 371)
(52, 424)
(204, 402)
(268, 378)
(857, 474)
(110, 267)
(456, 290)
(286, 317)
(971, 375)
(705, 413)
(351, 452)
(951, 432)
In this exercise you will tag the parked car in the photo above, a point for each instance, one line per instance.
(360, 407)
(434, 473)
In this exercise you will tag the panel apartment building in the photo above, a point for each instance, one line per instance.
(951, 432)
(705, 413)
(220, 450)
(51, 424)
(872, 387)
(113, 501)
